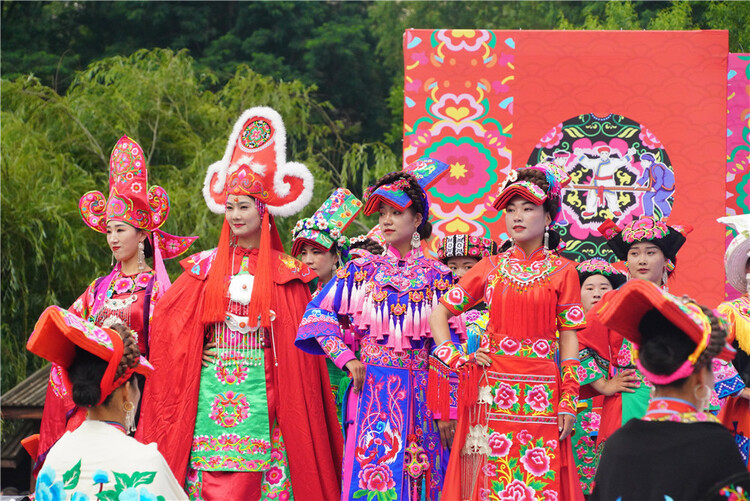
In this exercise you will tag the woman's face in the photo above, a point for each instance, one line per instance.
(242, 215)
(461, 265)
(593, 289)
(324, 263)
(647, 262)
(398, 226)
(524, 220)
(123, 240)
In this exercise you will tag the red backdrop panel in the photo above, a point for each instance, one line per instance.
(672, 83)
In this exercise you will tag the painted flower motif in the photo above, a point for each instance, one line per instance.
(420, 138)
(376, 477)
(123, 285)
(500, 444)
(101, 477)
(649, 139)
(80, 496)
(524, 436)
(552, 444)
(136, 187)
(510, 346)
(537, 398)
(463, 40)
(536, 461)
(505, 396)
(552, 137)
(46, 487)
(275, 475)
(495, 139)
(541, 348)
(518, 491)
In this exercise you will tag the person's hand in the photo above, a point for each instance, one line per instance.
(208, 354)
(447, 431)
(482, 357)
(745, 393)
(565, 424)
(357, 371)
(626, 382)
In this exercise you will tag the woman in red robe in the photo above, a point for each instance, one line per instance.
(130, 218)
(517, 403)
(258, 420)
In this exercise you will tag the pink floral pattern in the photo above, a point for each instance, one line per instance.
(518, 491)
(506, 396)
(536, 461)
(376, 477)
(537, 398)
(500, 444)
(229, 409)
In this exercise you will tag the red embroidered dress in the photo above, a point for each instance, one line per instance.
(506, 442)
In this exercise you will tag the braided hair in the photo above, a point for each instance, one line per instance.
(416, 194)
(367, 244)
(87, 370)
(664, 347)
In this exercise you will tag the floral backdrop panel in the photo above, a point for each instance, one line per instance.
(636, 119)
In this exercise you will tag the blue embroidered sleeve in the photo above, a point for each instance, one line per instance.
(727, 381)
(321, 318)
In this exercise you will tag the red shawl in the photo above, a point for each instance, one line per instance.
(304, 408)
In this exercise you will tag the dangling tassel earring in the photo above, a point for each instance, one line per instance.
(415, 240)
(112, 261)
(129, 409)
(546, 240)
(664, 278)
(141, 257)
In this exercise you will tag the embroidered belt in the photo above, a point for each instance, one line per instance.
(527, 348)
(376, 354)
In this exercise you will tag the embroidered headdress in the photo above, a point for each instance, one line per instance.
(465, 246)
(601, 267)
(645, 229)
(556, 177)
(738, 251)
(426, 171)
(254, 164)
(327, 225)
(624, 311)
(58, 332)
(133, 202)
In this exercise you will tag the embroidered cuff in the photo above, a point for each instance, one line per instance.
(337, 350)
(569, 387)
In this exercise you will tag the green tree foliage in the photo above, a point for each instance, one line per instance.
(56, 148)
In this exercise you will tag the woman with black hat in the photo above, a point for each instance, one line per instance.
(676, 451)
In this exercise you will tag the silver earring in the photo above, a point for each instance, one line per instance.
(112, 261)
(702, 401)
(415, 239)
(546, 239)
(141, 257)
(664, 278)
(129, 409)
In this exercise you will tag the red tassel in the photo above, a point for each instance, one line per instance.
(439, 389)
(468, 386)
(260, 301)
(216, 283)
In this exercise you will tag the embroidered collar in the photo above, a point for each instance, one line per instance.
(128, 284)
(411, 257)
(524, 272)
(676, 410)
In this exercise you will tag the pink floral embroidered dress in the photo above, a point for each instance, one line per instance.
(506, 444)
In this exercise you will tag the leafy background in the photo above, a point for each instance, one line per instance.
(175, 75)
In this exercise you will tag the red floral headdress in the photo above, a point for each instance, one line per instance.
(254, 164)
(131, 201)
(58, 332)
(645, 229)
